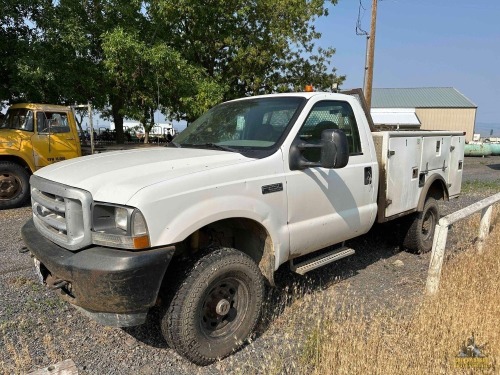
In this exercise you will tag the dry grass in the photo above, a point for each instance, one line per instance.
(426, 339)
(19, 355)
(18, 349)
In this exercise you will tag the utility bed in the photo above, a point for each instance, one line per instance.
(407, 159)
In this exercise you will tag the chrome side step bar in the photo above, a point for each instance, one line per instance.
(321, 260)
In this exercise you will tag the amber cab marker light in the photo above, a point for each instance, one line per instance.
(309, 88)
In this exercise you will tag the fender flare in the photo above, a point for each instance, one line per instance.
(249, 209)
(434, 180)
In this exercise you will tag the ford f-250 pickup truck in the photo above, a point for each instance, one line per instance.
(252, 184)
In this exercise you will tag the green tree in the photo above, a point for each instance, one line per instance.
(151, 77)
(132, 57)
(78, 28)
(18, 31)
(250, 47)
(64, 62)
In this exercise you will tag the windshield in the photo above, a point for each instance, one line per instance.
(243, 124)
(18, 118)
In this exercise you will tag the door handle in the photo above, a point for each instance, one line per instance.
(368, 175)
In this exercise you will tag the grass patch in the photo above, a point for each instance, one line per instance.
(481, 186)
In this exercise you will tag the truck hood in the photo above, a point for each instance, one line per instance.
(115, 177)
(9, 140)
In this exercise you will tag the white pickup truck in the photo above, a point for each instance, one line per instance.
(252, 184)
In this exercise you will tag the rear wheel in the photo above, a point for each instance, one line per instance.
(216, 307)
(14, 185)
(420, 234)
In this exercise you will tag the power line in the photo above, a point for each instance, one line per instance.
(359, 29)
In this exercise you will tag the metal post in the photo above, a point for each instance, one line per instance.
(484, 227)
(437, 257)
(91, 129)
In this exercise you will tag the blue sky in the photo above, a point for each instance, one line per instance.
(423, 43)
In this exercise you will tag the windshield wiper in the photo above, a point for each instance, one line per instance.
(218, 147)
(170, 144)
(209, 145)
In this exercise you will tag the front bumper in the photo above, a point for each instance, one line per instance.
(114, 287)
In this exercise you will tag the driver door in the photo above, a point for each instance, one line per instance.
(54, 140)
(328, 206)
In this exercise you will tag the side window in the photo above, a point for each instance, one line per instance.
(55, 122)
(330, 115)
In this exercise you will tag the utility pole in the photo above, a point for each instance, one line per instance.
(370, 56)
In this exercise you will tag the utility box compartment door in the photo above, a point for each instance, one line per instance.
(435, 153)
(455, 170)
(403, 160)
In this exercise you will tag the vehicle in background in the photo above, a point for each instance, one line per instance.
(33, 136)
(134, 132)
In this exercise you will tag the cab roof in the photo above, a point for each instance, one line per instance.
(306, 95)
(40, 107)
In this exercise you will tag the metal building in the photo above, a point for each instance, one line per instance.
(435, 108)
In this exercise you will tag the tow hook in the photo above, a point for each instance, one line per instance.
(58, 284)
(54, 284)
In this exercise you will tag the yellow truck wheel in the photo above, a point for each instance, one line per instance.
(14, 185)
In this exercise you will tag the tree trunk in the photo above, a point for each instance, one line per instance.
(148, 122)
(116, 106)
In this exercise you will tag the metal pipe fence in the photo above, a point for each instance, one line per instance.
(441, 235)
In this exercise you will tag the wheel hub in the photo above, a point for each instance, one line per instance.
(9, 186)
(220, 307)
(223, 307)
(428, 224)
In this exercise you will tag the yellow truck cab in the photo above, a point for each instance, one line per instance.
(33, 136)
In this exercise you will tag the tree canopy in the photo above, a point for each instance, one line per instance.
(131, 58)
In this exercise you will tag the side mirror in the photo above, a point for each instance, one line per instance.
(334, 151)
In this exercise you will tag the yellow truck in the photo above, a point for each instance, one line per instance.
(33, 136)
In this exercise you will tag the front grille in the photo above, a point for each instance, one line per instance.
(61, 213)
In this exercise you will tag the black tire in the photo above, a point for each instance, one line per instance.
(14, 185)
(216, 307)
(421, 230)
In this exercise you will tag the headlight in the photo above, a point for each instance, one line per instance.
(119, 226)
(121, 218)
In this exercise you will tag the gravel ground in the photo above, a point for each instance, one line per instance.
(38, 329)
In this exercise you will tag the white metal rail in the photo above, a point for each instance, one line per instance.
(441, 234)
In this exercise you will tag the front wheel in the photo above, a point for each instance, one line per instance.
(420, 234)
(216, 307)
(14, 185)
